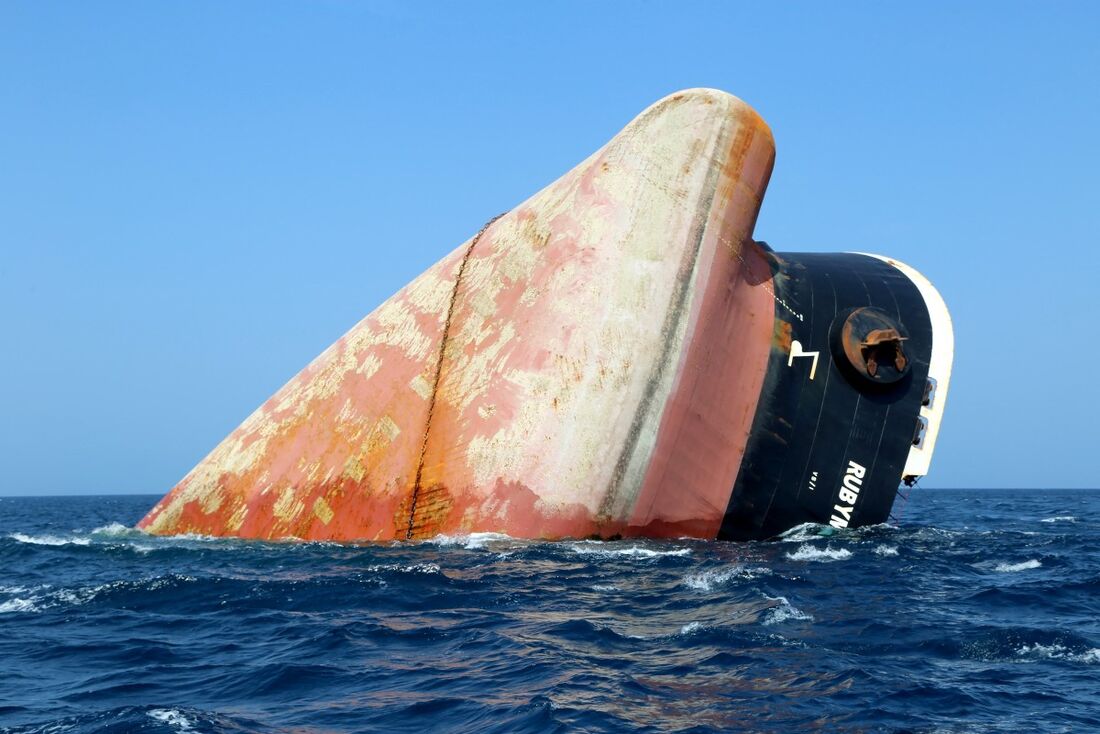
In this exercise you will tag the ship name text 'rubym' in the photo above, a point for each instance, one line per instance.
(616, 356)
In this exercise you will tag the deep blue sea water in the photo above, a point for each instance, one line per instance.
(979, 612)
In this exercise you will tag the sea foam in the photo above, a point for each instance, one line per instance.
(473, 541)
(709, 580)
(611, 550)
(785, 611)
(173, 718)
(1059, 652)
(807, 552)
(49, 539)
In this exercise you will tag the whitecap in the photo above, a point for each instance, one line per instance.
(879, 527)
(117, 528)
(426, 568)
(18, 605)
(199, 538)
(1059, 652)
(49, 539)
(1060, 518)
(806, 531)
(173, 718)
(605, 587)
(105, 533)
(885, 550)
(691, 627)
(473, 541)
(807, 552)
(77, 596)
(118, 536)
(1013, 567)
(784, 611)
(708, 580)
(941, 532)
(608, 550)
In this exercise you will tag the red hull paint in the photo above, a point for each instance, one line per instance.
(590, 364)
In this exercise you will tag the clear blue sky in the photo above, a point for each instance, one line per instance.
(197, 198)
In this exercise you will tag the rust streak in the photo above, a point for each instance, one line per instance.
(438, 370)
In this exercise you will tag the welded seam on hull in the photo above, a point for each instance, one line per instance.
(439, 370)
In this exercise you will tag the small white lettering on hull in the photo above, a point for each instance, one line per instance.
(849, 493)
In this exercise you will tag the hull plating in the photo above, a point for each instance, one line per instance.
(590, 364)
(615, 356)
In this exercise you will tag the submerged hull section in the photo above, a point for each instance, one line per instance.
(603, 360)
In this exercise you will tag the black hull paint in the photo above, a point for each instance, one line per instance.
(816, 443)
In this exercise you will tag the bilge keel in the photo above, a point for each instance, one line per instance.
(615, 356)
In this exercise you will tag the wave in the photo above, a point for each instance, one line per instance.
(111, 530)
(45, 597)
(429, 568)
(173, 717)
(109, 534)
(1014, 567)
(1060, 518)
(115, 535)
(117, 529)
(691, 635)
(784, 611)
(807, 552)
(603, 549)
(1059, 652)
(18, 605)
(472, 541)
(48, 539)
(812, 531)
(708, 580)
(142, 718)
(806, 531)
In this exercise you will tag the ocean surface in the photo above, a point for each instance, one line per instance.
(978, 612)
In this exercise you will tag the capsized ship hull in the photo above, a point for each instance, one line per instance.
(614, 357)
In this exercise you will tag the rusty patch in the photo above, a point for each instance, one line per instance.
(429, 516)
(782, 337)
(438, 369)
